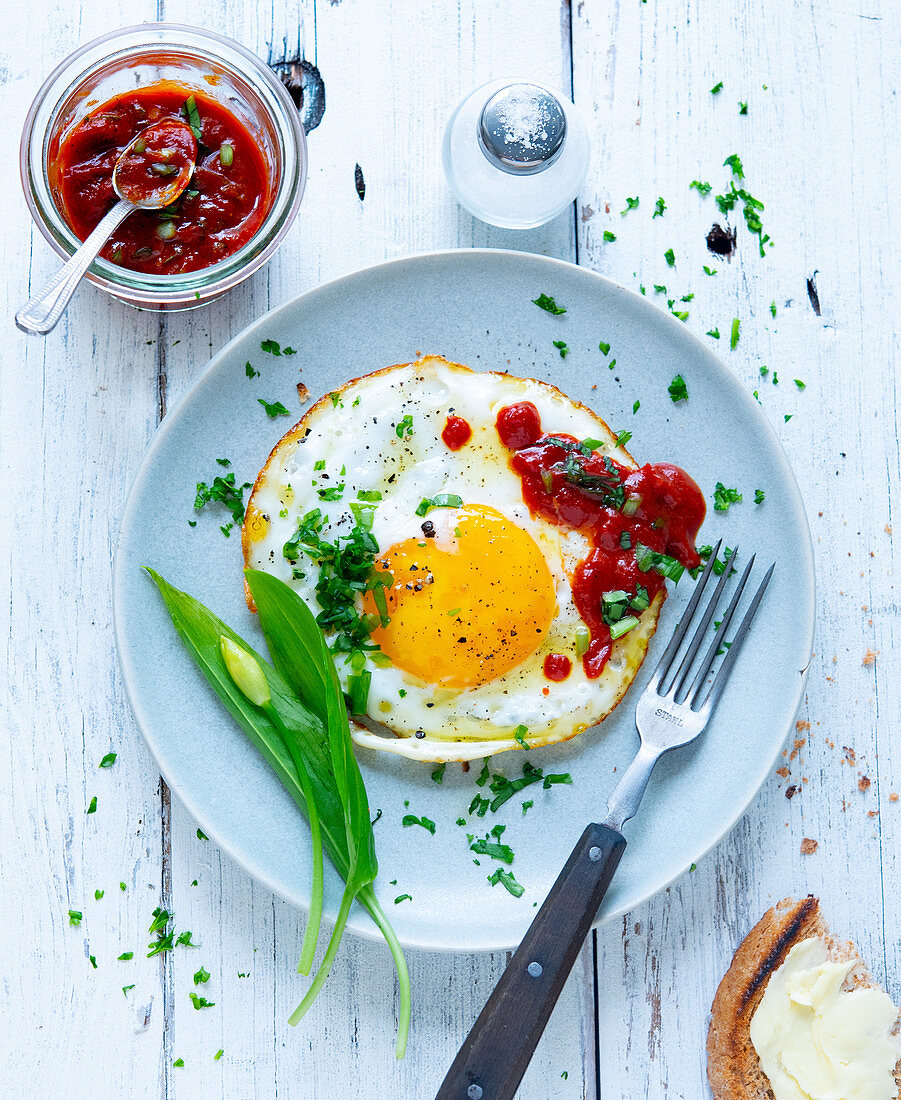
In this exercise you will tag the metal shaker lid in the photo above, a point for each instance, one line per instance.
(522, 128)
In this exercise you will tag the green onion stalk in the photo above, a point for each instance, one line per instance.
(293, 712)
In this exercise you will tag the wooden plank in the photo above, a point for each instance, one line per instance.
(388, 96)
(645, 73)
(77, 410)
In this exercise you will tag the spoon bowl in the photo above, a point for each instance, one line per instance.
(153, 170)
(149, 174)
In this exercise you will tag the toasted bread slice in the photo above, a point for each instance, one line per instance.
(733, 1068)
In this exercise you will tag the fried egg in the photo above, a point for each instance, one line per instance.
(473, 591)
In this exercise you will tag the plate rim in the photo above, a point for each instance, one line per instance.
(368, 930)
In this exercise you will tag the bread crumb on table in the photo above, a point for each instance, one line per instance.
(869, 658)
(893, 797)
(802, 725)
(863, 784)
(783, 771)
(808, 846)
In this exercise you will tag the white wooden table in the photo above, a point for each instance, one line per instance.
(78, 409)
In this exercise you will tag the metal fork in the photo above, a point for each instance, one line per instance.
(672, 710)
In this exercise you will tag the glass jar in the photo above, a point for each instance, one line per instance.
(196, 59)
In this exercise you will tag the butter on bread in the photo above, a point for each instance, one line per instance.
(733, 1068)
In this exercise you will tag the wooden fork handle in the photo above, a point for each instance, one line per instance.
(495, 1054)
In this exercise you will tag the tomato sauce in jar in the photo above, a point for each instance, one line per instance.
(224, 204)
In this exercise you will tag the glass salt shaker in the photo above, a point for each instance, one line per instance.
(515, 153)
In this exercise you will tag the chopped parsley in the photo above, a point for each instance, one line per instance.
(201, 835)
(178, 1061)
(773, 307)
(545, 302)
(678, 390)
(337, 403)
(98, 894)
(759, 496)
(717, 88)
(438, 773)
(202, 975)
(122, 886)
(631, 204)
(504, 789)
(249, 371)
(218, 1055)
(271, 346)
(801, 385)
(92, 805)
(733, 161)
(788, 417)
(659, 208)
(604, 347)
(274, 408)
(507, 879)
(403, 897)
(719, 566)
(659, 288)
(709, 270)
(742, 107)
(404, 427)
(714, 332)
(519, 736)
(441, 500)
(636, 406)
(670, 257)
(751, 206)
(622, 439)
(701, 186)
(493, 848)
(647, 559)
(552, 779)
(108, 760)
(608, 236)
(736, 326)
(562, 347)
(200, 1002)
(346, 569)
(412, 819)
(526, 806)
(223, 491)
(607, 487)
(331, 492)
(723, 497)
(126, 955)
(75, 917)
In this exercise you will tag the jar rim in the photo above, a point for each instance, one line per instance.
(191, 287)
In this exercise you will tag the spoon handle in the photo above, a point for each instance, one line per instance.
(41, 314)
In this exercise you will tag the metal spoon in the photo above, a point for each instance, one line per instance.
(141, 184)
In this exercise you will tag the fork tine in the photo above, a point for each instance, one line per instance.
(682, 672)
(717, 639)
(722, 675)
(663, 665)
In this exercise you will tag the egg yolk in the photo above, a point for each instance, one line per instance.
(466, 608)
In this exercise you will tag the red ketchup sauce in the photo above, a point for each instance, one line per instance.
(557, 666)
(664, 509)
(457, 433)
(225, 203)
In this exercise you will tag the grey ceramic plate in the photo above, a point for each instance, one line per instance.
(473, 307)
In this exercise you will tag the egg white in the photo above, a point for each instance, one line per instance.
(355, 432)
